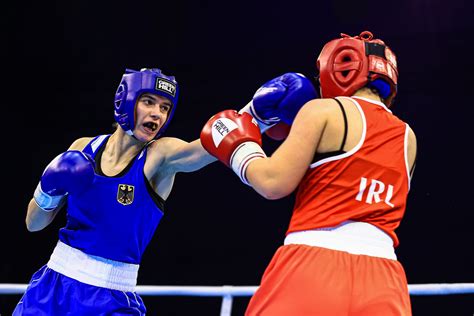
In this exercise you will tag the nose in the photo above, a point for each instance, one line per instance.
(155, 113)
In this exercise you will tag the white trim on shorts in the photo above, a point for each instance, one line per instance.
(93, 270)
(357, 238)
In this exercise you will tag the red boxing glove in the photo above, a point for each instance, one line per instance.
(234, 139)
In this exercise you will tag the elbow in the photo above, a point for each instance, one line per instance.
(272, 196)
(273, 191)
(31, 227)
(272, 185)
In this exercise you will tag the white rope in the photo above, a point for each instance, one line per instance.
(227, 290)
(441, 288)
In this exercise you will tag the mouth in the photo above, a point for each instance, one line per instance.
(150, 126)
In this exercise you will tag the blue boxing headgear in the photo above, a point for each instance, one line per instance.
(133, 85)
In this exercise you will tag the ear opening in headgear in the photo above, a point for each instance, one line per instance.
(119, 95)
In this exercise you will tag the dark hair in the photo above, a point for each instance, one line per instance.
(374, 91)
(114, 126)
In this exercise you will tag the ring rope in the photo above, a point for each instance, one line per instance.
(229, 290)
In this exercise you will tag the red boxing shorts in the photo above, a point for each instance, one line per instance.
(307, 280)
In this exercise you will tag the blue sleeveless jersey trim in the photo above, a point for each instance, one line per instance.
(116, 217)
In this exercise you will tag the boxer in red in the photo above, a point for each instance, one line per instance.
(351, 161)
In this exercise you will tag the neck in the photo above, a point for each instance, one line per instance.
(368, 94)
(121, 144)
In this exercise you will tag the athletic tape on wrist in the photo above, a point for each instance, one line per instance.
(45, 201)
(263, 124)
(242, 156)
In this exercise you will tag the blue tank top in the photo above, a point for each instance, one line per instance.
(116, 217)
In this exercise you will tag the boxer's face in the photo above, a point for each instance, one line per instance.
(151, 113)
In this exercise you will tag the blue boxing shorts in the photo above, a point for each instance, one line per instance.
(52, 293)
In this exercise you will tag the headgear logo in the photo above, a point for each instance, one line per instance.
(125, 194)
(166, 86)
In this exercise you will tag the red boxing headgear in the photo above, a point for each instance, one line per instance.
(350, 63)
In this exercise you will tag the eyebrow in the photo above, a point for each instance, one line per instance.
(155, 98)
(147, 95)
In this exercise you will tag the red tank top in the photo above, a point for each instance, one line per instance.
(368, 184)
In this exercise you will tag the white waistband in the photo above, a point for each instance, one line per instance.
(357, 238)
(93, 270)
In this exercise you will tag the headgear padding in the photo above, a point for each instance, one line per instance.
(350, 63)
(133, 85)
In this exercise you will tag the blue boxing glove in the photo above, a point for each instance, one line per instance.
(280, 99)
(69, 173)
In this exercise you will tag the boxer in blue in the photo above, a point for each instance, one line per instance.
(115, 187)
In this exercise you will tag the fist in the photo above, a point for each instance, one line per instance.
(225, 131)
(282, 97)
(70, 172)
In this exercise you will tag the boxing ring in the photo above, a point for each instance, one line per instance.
(228, 292)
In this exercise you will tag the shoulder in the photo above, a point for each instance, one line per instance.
(162, 149)
(166, 144)
(161, 155)
(321, 109)
(411, 133)
(313, 118)
(411, 137)
(80, 143)
(322, 105)
(412, 148)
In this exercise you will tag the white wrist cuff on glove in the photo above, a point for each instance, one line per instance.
(242, 156)
(45, 201)
(263, 124)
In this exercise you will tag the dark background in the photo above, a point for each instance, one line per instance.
(63, 60)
